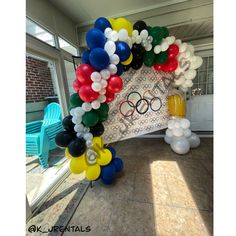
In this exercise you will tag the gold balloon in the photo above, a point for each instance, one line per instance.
(122, 23)
(128, 61)
(104, 157)
(176, 106)
(97, 143)
(78, 164)
(111, 20)
(93, 172)
(67, 154)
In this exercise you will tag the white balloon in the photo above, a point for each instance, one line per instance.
(123, 35)
(89, 143)
(183, 89)
(169, 133)
(144, 34)
(178, 132)
(187, 133)
(112, 68)
(168, 40)
(177, 123)
(79, 128)
(185, 123)
(182, 47)
(78, 111)
(96, 86)
(135, 33)
(105, 73)
(88, 136)
(79, 135)
(113, 36)
(190, 74)
(138, 39)
(198, 62)
(180, 80)
(129, 42)
(191, 48)
(95, 104)
(172, 39)
(77, 119)
(110, 47)
(114, 59)
(107, 32)
(188, 83)
(164, 46)
(178, 42)
(180, 145)
(178, 70)
(171, 124)
(102, 98)
(194, 140)
(86, 106)
(72, 112)
(148, 47)
(95, 76)
(133, 39)
(103, 91)
(168, 139)
(157, 49)
(103, 83)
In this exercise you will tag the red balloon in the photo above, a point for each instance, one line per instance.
(173, 51)
(83, 73)
(115, 84)
(76, 85)
(87, 94)
(158, 66)
(165, 67)
(172, 64)
(110, 96)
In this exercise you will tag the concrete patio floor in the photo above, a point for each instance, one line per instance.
(158, 193)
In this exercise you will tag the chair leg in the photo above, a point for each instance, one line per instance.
(43, 160)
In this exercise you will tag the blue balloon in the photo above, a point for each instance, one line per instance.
(113, 151)
(107, 181)
(108, 172)
(102, 23)
(122, 50)
(99, 59)
(85, 57)
(95, 38)
(118, 163)
(119, 69)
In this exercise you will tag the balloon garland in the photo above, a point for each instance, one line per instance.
(114, 46)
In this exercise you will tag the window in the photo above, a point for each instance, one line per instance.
(37, 31)
(67, 47)
(203, 83)
(70, 74)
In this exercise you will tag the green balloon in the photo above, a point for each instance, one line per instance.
(103, 109)
(161, 58)
(75, 100)
(157, 35)
(165, 32)
(103, 117)
(90, 118)
(148, 58)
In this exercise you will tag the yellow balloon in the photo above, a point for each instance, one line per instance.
(97, 143)
(128, 61)
(78, 164)
(122, 23)
(93, 172)
(111, 20)
(67, 154)
(104, 157)
(176, 106)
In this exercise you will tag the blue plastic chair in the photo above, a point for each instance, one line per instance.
(40, 135)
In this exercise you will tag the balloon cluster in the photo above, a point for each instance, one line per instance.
(180, 137)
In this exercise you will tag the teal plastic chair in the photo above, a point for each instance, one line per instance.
(40, 135)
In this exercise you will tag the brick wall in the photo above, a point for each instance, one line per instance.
(38, 80)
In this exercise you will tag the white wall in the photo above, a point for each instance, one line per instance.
(49, 16)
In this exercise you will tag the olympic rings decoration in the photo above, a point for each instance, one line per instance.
(135, 105)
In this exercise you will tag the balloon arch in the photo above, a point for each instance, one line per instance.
(114, 47)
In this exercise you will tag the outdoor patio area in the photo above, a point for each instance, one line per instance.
(37, 178)
(158, 193)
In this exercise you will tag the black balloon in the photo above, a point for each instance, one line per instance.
(136, 64)
(137, 51)
(63, 138)
(140, 25)
(77, 147)
(97, 130)
(126, 68)
(68, 124)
